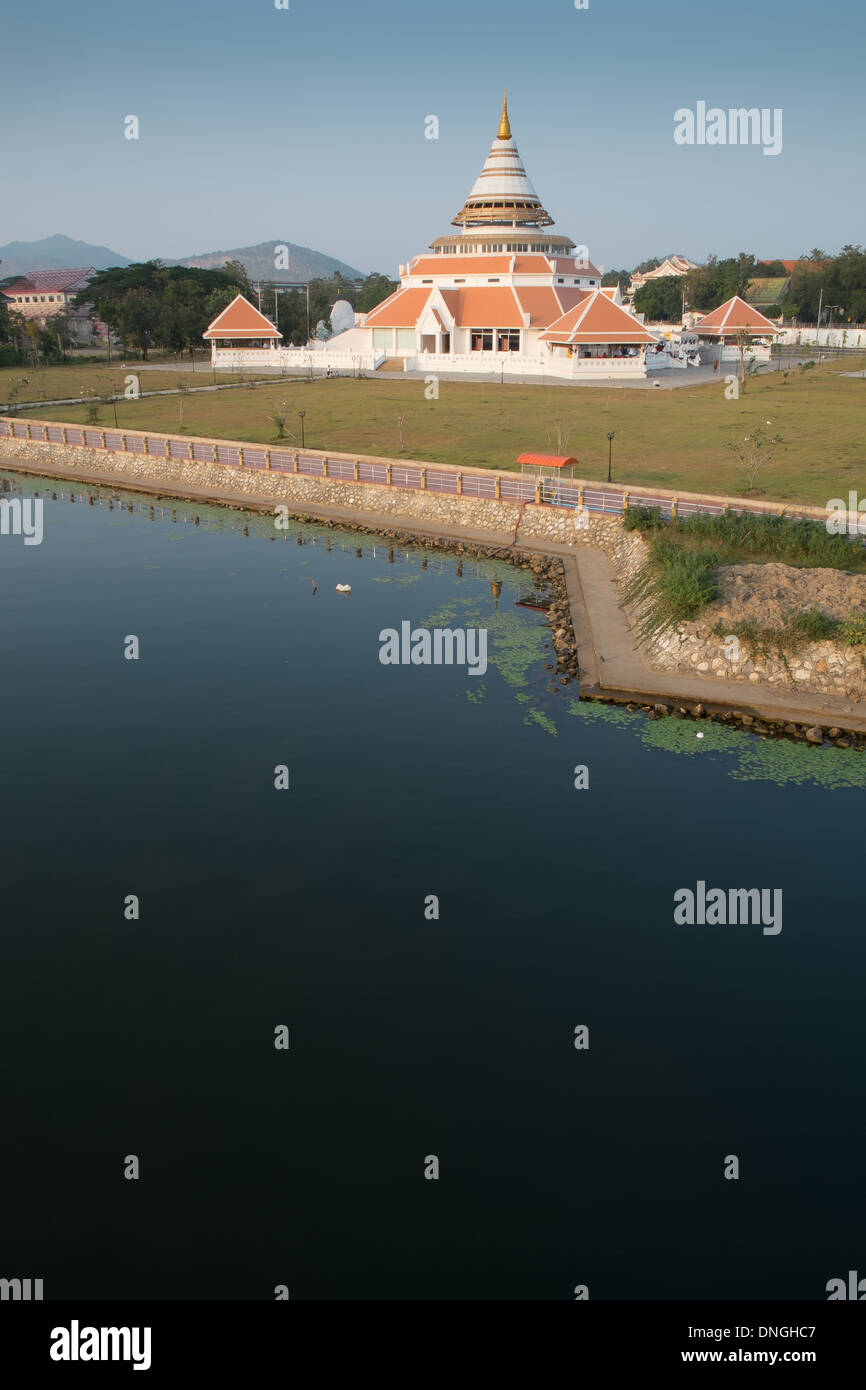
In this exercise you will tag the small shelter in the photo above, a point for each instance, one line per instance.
(241, 325)
(548, 471)
(733, 317)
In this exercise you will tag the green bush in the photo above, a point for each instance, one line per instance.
(797, 630)
(785, 538)
(852, 630)
(673, 585)
(810, 625)
(642, 519)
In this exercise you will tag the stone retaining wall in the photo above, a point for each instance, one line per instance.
(269, 487)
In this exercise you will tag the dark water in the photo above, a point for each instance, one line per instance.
(409, 1037)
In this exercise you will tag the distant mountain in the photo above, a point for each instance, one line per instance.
(55, 253)
(62, 253)
(258, 261)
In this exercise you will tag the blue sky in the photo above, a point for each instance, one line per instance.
(307, 124)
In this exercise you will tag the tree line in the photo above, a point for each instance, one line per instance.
(150, 306)
(818, 279)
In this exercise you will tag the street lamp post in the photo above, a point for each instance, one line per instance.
(610, 438)
(301, 414)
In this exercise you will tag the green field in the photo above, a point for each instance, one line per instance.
(24, 384)
(672, 438)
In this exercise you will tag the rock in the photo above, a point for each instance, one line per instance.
(843, 743)
(746, 719)
(698, 711)
(815, 734)
(833, 733)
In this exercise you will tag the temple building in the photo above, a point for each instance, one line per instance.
(503, 293)
(671, 266)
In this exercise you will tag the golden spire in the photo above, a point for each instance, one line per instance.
(505, 124)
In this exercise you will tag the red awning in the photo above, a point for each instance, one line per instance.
(546, 460)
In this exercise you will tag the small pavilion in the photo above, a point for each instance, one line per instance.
(241, 325)
(733, 317)
(549, 471)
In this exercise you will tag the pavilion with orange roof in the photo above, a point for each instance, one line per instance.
(241, 325)
(733, 317)
(734, 322)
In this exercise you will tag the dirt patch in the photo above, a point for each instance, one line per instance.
(771, 593)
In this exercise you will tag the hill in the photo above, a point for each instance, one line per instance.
(258, 261)
(55, 253)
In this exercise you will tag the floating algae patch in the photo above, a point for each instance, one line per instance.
(515, 644)
(538, 716)
(754, 760)
(398, 578)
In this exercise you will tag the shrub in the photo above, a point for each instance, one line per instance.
(672, 586)
(852, 630)
(784, 537)
(642, 518)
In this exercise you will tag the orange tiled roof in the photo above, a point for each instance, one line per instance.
(489, 306)
(460, 265)
(400, 310)
(452, 300)
(547, 460)
(532, 264)
(541, 303)
(733, 315)
(565, 266)
(570, 296)
(241, 319)
(598, 320)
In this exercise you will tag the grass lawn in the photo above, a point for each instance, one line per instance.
(675, 439)
(73, 379)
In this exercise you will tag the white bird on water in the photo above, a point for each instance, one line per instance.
(344, 588)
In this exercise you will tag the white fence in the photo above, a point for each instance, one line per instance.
(823, 337)
(513, 364)
(295, 360)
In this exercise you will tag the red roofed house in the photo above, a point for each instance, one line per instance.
(734, 318)
(502, 291)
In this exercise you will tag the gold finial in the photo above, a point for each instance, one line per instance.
(505, 124)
